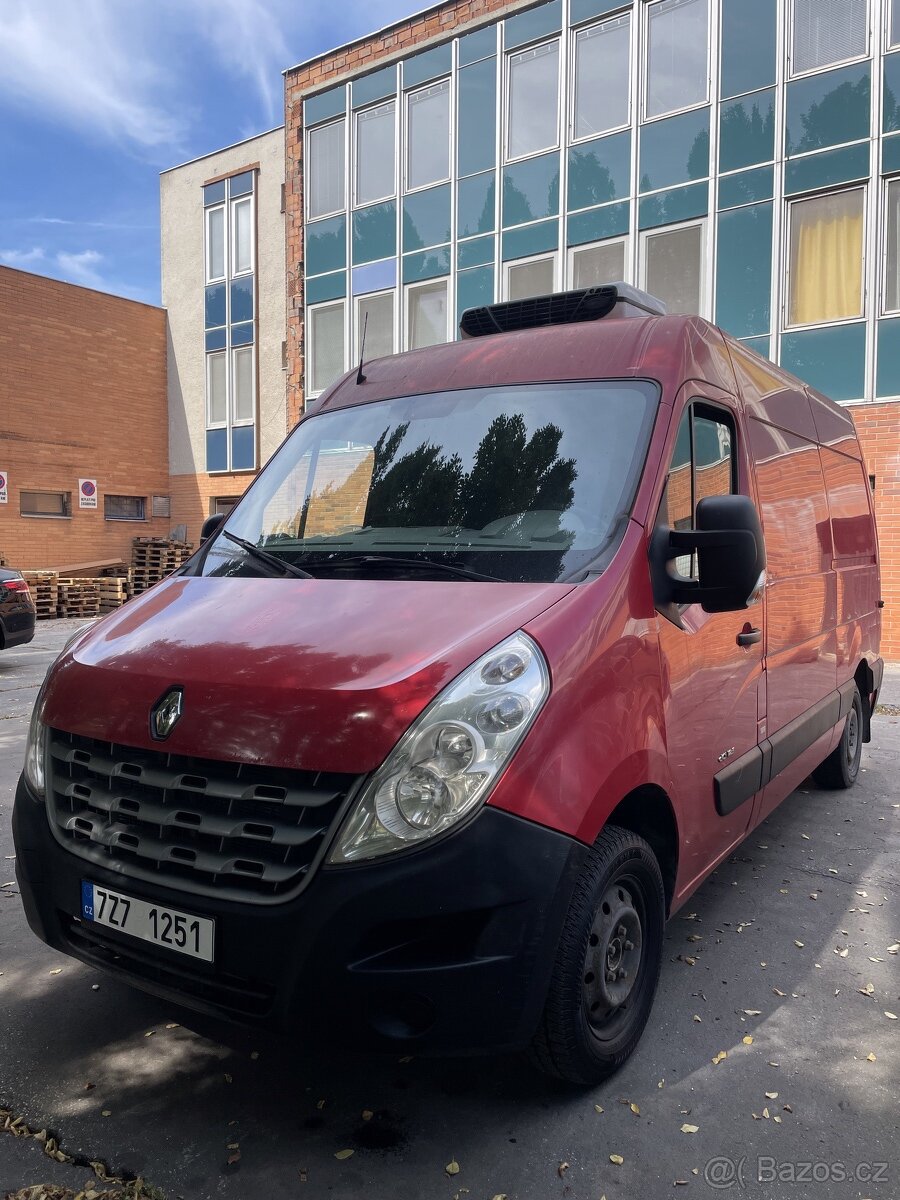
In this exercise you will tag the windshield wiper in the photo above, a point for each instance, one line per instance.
(264, 556)
(421, 564)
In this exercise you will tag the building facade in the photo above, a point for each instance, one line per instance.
(77, 487)
(223, 255)
(738, 158)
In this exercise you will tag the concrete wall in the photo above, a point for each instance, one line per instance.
(82, 396)
(182, 246)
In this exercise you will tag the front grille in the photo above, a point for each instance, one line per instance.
(212, 828)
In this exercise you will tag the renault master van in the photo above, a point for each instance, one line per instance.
(509, 645)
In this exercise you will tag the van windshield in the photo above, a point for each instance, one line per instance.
(520, 483)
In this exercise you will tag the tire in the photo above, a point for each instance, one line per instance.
(841, 768)
(591, 1022)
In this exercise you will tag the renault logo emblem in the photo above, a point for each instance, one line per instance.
(166, 712)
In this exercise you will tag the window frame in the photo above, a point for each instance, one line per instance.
(357, 323)
(210, 355)
(552, 255)
(891, 182)
(407, 97)
(142, 500)
(357, 116)
(309, 392)
(702, 223)
(65, 515)
(891, 42)
(207, 257)
(235, 421)
(417, 286)
(791, 74)
(247, 198)
(572, 251)
(310, 133)
(645, 118)
(509, 158)
(787, 325)
(573, 78)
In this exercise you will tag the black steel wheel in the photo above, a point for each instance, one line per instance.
(841, 768)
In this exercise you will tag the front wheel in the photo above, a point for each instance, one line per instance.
(841, 768)
(607, 962)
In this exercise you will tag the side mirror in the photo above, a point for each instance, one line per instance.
(211, 525)
(731, 558)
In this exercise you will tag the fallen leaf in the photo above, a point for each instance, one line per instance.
(407, 1058)
(228, 1078)
(787, 1108)
(771, 1095)
(452, 1167)
(773, 1064)
(778, 992)
(765, 1113)
(752, 1012)
(895, 949)
(598, 1108)
(150, 1033)
(799, 945)
(662, 1083)
(367, 1114)
(617, 1159)
(870, 1057)
(891, 1016)
(233, 1158)
(56, 971)
(777, 1119)
(865, 895)
(107, 1112)
(561, 1169)
(721, 1055)
(690, 1128)
(805, 837)
(748, 1040)
(254, 1054)
(687, 958)
(697, 1019)
(842, 953)
(634, 1108)
(173, 1025)
(340, 1155)
(868, 990)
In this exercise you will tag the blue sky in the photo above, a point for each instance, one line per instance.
(98, 96)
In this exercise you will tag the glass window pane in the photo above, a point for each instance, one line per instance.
(597, 265)
(325, 173)
(124, 508)
(242, 363)
(375, 153)
(240, 185)
(892, 283)
(214, 193)
(326, 346)
(530, 279)
(216, 390)
(677, 64)
(827, 31)
(427, 315)
(712, 459)
(44, 504)
(674, 268)
(533, 100)
(895, 23)
(602, 72)
(215, 243)
(676, 510)
(379, 326)
(242, 234)
(428, 135)
(826, 258)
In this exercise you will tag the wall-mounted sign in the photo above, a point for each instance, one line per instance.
(4, 488)
(87, 493)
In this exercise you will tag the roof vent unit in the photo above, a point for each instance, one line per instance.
(561, 308)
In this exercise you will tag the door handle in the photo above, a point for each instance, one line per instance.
(749, 636)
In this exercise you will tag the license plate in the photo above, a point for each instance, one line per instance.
(154, 923)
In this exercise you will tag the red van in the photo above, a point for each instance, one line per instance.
(509, 645)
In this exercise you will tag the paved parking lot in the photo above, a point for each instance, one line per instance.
(787, 945)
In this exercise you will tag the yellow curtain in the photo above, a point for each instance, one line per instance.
(827, 258)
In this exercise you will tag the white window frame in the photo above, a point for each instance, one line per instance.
(407, 96)
(507, 106)
(705, 288)
(210, 424)
(361, 112)
(358, 322)
(645, 68)
(547, 255)
(223, 209)
(573, 34)
(841, 62)
(307, 161)
(242, 422)
(786, 325)
(890, 42)
(309, 393)
(417, 287)
(888, 183)
(622, 240)
(235, 203)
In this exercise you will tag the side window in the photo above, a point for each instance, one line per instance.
(703, 464)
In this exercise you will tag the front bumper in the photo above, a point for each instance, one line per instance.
(447, 949)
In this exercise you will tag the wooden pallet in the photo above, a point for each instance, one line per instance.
(152, 559)
(44, 587)
(113, 592)
(78, 598)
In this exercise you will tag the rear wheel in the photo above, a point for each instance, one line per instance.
(607, 963)
(841, 768)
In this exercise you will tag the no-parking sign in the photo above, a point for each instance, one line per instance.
(4, 488)
(87, 493)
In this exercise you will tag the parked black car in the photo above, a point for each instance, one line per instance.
(17, 611)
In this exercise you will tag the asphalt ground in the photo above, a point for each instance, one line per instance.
(787, 945)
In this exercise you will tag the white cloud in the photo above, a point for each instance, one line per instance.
(81, 267)
(23, 259)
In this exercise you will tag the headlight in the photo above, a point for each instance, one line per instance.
(36, 742)
(445, 765)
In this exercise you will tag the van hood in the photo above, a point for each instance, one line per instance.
(319, 674)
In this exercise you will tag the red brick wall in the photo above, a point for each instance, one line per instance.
(82, 395)
(879, 433)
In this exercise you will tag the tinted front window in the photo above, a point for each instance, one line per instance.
(519, 483)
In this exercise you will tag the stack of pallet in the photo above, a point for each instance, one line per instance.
(78, 598)
(152, 559)
(44, 587)
(114, 590)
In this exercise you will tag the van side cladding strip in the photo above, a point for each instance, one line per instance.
(747, 775)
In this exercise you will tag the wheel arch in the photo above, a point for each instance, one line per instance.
(648, 812)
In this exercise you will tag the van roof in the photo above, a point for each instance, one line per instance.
(669, 349)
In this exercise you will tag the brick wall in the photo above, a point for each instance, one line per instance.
(82, 395)
(879, 433)
(192, 497)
